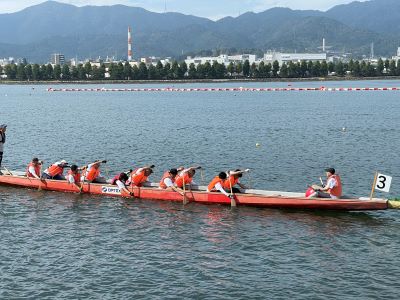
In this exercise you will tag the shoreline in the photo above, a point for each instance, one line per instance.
(187, 81)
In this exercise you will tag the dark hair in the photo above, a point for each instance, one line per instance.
(330, 170)
(192, 171)
(222, 175)
(173, 172)
(74, 167)
(35, 159)
(123, 176)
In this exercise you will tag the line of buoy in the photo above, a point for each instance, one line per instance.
(240, 89)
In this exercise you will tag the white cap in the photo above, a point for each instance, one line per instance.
(64, 162)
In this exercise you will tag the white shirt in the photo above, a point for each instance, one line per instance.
(219, 187)
(120, 184)
(331, 183)
(168, 182)
(70, 178)
(31, 170)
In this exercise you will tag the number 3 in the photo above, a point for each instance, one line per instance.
(381, 182)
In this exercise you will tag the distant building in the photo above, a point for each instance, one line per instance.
(57, 59)
(6, 61)
(270, 57)
(222, 59)
(397, 57)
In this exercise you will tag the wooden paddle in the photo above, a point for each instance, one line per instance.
(8, 171)
(232, 196)
(185, 200)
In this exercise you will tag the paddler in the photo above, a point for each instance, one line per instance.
(185, 177)
(140, 176)
(217, 184)
(55, 171)
(233, 179)
(74, 177)
(34, 168)
(121, 181)
(332, 189)
(92, 172)
(168, 180)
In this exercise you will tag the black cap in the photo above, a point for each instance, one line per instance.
(173, 171)
(330, 170)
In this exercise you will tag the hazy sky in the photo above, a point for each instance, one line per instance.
(206, 8)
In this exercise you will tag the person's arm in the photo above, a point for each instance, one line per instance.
(219, 187)
(71, 180)
(122, 187)
(242, 186)
(238, 172)
(33, 172)
(168, 182)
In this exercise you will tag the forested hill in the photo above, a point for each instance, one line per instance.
(93, 31)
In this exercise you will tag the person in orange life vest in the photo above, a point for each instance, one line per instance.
(233, 179)
(74, 177)
(168, 179)
(185, 177)
(140, 176)
(34, 168)
(216, 185)
(332, 189)
(120, 181)
(55, 171)
(92, 172)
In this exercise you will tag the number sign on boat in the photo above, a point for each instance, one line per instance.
(383, 183)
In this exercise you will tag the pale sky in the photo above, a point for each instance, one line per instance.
(213, 9)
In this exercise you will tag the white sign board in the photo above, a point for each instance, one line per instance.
(110, 190)
(383, 183)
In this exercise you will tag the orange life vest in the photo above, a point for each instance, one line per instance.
(214, 182)
(230, 182)
(138, 179)
(179, 179)
(55, 170)
(166, 175)
(337, 190)
(77, 176)
(92, 174)
(36, 167)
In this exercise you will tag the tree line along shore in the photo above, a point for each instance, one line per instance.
(180, 71)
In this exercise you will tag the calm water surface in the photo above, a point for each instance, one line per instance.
(78, 246)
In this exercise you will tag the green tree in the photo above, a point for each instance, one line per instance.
(21, 72)
(88, 70)
(292, 70)
(254, 73)
(28, 72)
(36, 75)
(11, 71)
(81, 72)
(152, 72)
(66, 75)
(387, 64)
(316, 69)
(143, 72)
(246, 68)
(174, 70)
(239, 68)
(392, 68)
(283, 73)
(356, 69)
(74, 73)
(127, 71)
(380, 67)
(231, 68)
(192, 71)
(219, 70)
(43, 72)
(275, 68)
(331, 67)
(183, 68)
(339, 69)
(207, 70)
(135, 72)
(160, 70)
(304, 72)
(57, 72)
(49, 71)
(98, 73)
(324, 69)
(364, 69)
(166, 71)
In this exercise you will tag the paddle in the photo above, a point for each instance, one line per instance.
(8, 171)
(185, 200)
(232, 196)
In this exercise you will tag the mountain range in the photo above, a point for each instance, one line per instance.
(92, 31)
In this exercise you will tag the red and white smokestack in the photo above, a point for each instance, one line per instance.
(129, 44)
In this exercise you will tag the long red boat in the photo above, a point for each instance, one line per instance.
(256, 198)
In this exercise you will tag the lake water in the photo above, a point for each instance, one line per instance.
(77, 246)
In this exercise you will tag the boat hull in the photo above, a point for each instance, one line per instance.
(255, 200)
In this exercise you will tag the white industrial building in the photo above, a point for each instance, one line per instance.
(222, 59)
(270, 57)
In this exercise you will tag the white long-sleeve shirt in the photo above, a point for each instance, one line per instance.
(31, 170)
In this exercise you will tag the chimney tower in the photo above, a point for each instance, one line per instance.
(323, 45)
(129, 44)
